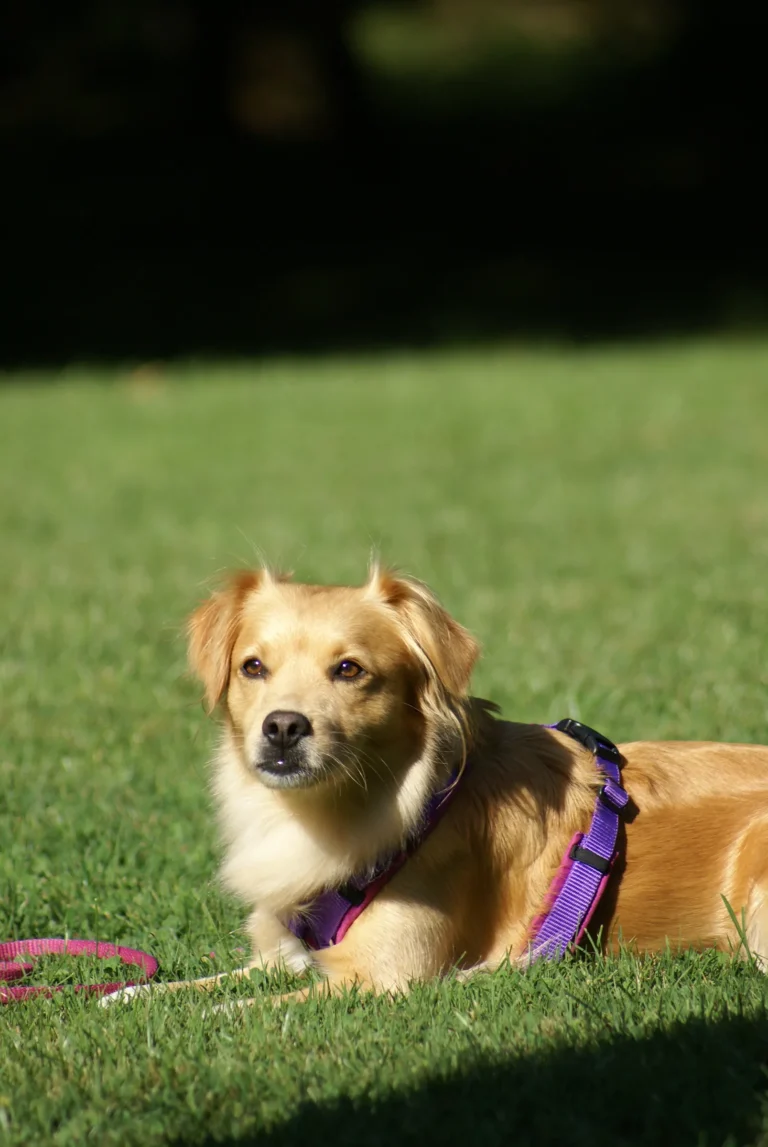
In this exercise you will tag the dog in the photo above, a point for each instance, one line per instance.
(347, 709)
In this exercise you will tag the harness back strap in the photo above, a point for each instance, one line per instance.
(583, 875)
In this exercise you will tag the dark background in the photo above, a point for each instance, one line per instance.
(189, 177)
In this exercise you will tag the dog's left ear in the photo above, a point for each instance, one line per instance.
(447, 646)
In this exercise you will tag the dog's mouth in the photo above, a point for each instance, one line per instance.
(285, 770)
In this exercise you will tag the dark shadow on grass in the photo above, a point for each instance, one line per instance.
(699, 1083)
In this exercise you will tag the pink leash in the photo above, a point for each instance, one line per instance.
(11, 969)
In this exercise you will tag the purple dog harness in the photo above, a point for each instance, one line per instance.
(569, 904)
(571, 899)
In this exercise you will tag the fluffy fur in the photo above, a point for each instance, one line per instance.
(299, 819)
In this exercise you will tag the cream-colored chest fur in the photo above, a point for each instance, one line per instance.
(278, 859)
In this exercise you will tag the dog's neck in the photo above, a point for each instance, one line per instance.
(285, 846)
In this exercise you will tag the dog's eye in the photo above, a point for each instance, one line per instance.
(348, 670)
(253, 668)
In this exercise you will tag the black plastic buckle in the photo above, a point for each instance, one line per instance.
(597, 744)
(590, 858)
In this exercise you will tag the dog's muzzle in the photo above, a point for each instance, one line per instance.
(283, 758)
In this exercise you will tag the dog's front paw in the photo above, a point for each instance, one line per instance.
(290, 954)
(297, 960)
(274, 946)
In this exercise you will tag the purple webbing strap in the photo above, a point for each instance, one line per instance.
(583, 884)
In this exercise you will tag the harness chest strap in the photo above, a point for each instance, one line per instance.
(572, 897)
(327, 919)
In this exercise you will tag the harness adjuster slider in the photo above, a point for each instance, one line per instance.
(613, 797)
(590, 858)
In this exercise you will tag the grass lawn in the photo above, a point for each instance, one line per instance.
(599, 518)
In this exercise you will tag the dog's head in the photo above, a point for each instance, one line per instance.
(332, 684)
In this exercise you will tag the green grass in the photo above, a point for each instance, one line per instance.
(598, 518)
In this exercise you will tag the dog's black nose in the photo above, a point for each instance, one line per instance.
(283, 730)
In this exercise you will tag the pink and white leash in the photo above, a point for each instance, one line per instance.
(12, 969)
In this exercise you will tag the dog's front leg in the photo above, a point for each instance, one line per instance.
(394, 944)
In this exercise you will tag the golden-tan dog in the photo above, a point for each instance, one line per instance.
(346, 709)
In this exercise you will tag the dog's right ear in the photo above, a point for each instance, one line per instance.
(212, 630)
